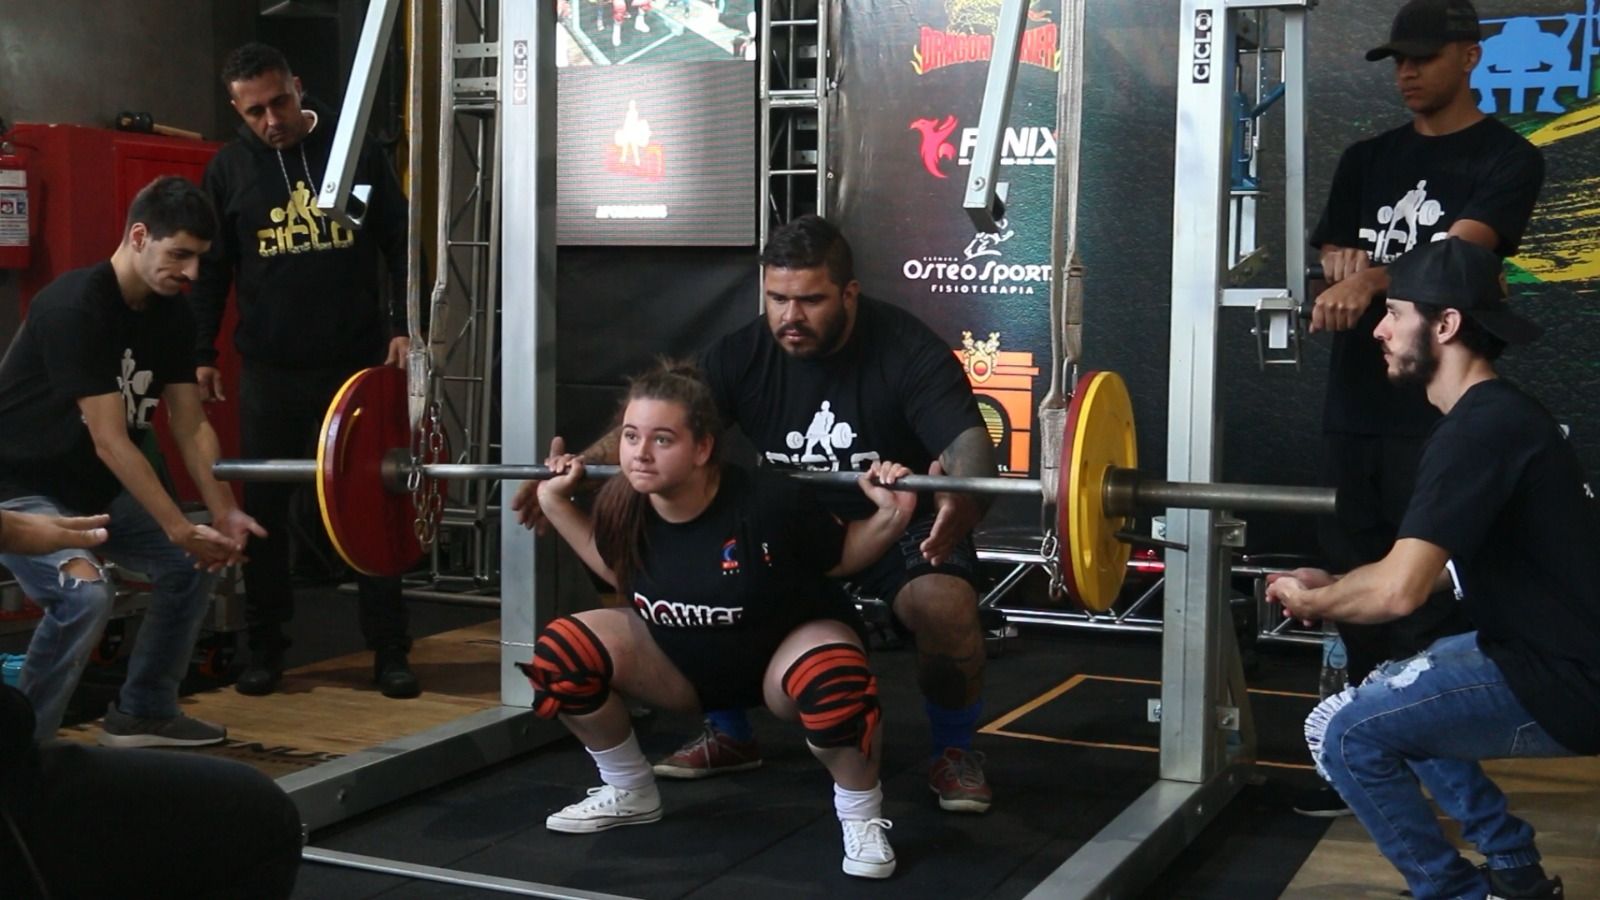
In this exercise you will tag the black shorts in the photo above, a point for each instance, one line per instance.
(726, 665)
(903, 562)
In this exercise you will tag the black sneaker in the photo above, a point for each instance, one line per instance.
(118, 729)
(393, 675)
(1522, 883)
(1322, 803)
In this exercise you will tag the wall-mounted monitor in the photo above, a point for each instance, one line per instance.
(656, 128)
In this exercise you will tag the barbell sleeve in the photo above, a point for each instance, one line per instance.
(1126, 492)
(264, 470)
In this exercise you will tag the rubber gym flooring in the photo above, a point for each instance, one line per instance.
(1067, 743)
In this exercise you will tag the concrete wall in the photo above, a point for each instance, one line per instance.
(84, 61)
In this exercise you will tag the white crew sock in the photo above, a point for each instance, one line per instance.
(624, 765)
(858, 806)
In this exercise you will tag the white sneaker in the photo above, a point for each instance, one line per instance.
(608, 807)
(867, 853)
(639, 24)
(616, 34)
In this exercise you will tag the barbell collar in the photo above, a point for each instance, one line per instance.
(1127, 492)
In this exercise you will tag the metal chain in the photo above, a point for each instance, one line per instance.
(1047, 549)
(427, 446)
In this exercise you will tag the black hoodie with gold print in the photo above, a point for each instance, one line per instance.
(309, 288)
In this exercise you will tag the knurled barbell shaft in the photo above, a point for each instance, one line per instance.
(306, 470)
(1126, 490)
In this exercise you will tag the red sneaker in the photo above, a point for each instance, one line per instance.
(957, 777)
(711, 753)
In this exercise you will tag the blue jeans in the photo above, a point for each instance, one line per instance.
(76, 612)
(1430, 719)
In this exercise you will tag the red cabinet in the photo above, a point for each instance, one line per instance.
(82, 181)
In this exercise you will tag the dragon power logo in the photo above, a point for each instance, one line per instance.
(968, 37)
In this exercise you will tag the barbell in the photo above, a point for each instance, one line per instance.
(370, 482)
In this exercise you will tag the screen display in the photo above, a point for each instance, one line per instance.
(656, 129)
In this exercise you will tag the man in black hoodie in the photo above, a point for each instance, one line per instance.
(311, 314)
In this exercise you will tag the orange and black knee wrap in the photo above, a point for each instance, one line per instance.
(836, 695)
(570, 670)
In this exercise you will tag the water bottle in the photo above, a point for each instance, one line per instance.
(11, 667)
(1335, 662)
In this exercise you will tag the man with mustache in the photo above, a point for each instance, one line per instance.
(1504, 519)
(1449, 172)
(312, 312)
(100, 350)
(888, 388)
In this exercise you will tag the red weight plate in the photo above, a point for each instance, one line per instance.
(371, 526)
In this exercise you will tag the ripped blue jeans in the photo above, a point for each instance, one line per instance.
(76, 612)
(1430, 719)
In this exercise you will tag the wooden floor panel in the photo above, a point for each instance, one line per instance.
(331, 708)
(1559, 797)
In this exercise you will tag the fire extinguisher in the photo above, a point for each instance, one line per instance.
(16, 213)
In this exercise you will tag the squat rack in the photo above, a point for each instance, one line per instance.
(1207, 738)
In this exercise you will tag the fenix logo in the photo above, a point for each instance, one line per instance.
(1028, 145)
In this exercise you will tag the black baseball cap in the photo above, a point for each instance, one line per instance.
(1422, 27)
(1460, 275)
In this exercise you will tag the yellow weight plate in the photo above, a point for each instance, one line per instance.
(1099, 437)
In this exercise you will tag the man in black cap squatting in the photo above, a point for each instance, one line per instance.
(1450, 171)
(1503, 518)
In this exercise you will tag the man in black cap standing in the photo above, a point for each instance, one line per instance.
(1450, 171)
(1502, 517)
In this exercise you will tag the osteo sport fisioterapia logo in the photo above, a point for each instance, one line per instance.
(980, 268)
(968, 37)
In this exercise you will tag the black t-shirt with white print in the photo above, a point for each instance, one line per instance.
(1393, 193)
(894, 391)
(81, 339)
(1503, 491)
(723, 589)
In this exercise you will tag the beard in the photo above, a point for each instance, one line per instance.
(823, 342)
(1417, 365)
